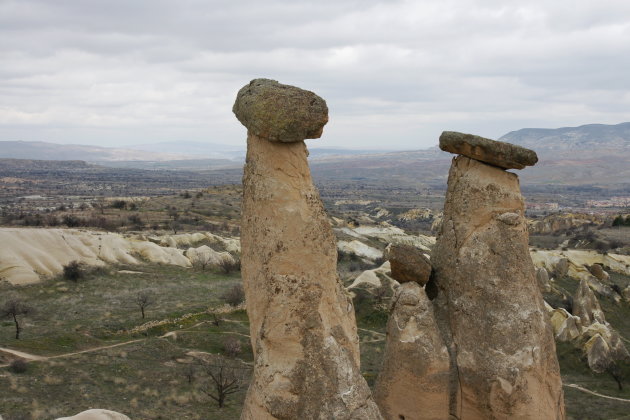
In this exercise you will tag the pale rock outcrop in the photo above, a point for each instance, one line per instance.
(395, 235)
(409, 263)
(489, 307)
(566, 327)
(375, 278)
(359, 249)
(586, 306)
(97, 414)
(206, 256)
(563, 221)
(232, 245)
(543, 280)
(561, 268)
(578, 261)
(598, 271)
(413, 381)
(302, 325)
(617, 350)
(28, 255)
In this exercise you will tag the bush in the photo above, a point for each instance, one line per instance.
(72, 271)
(227, 265)
(18, 366)
(232, 347)
(119, 204)
(235, 296)
(71, 221)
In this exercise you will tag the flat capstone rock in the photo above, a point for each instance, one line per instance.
(497, 153)
(280, 113)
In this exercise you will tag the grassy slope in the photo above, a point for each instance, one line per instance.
(146, 379)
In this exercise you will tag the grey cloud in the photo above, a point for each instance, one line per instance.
(125, 70)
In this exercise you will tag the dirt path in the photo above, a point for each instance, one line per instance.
(21, 354)
(597, 394)
(33, 357)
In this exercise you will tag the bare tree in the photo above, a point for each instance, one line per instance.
(216, 320)
(224, 380)
(13, 308)
(228, 265)
(201, 260)
(144, 299)
(235, 295)
(232, 347)
(189, 372)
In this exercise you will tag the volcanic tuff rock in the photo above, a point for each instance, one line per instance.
(280, 112)
(303, 330)
(543, 279)
(497, 153)
(488, 305)
(598, 271)
(97, 414)
(409, 263)
(586, 306)
(413, 381)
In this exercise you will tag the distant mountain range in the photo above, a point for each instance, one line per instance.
(582, 138)
(589, 154)
(168, 155)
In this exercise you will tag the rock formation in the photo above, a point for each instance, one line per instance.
(302, 323)
(489, 307)
(543, 280)
(409, 263)
(413, 381)
(586, 306)
(496, 153)
(97, 414)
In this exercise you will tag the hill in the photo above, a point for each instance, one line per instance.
(586, 137)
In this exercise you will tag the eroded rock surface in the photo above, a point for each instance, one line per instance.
(586, 306)
(497, 153)
(413, 381)
(280, 112)
(97, 414)
(302, 324)
(489, 306)
(409, 263)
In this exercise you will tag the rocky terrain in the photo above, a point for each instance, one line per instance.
(370, 311)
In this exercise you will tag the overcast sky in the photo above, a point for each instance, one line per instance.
(394, 73)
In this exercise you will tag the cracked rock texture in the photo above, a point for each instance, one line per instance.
(280, 112)
(409, 263)
(302, 324)
(497, 153)
(489, 307)
(413, 381)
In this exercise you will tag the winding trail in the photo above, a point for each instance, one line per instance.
(33, 357)
(597, 394)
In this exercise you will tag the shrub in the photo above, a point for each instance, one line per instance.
(232, 347)
(71, 220)
(72, 271)
(119, 204)
(18, 366)
(234, 296)
(228, 265)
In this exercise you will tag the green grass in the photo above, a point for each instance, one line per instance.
(143, 379)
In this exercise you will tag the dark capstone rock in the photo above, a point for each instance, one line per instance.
(497, 153)
(280, 113)
(409, 263)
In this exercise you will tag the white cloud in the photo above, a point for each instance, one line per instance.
(394, 73)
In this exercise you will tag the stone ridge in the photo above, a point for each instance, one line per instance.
(280, 113)
(497, 153)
